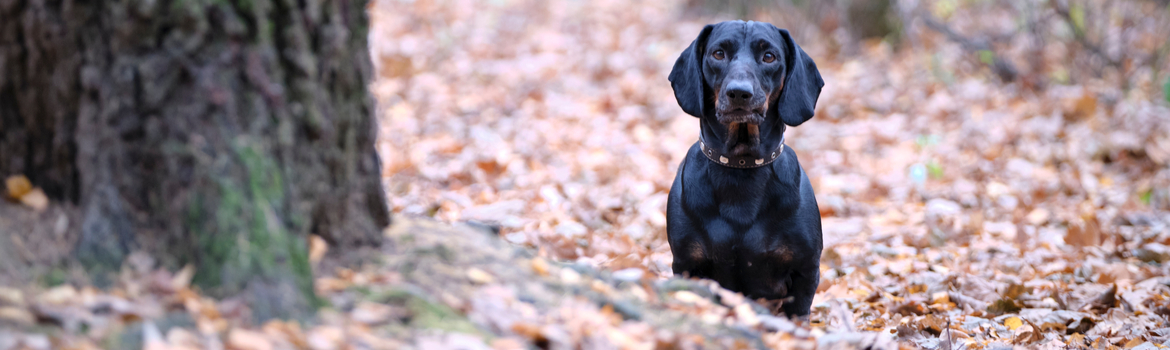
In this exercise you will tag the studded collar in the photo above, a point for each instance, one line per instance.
(740, 162)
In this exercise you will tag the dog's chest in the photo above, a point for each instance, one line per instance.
(742, 198)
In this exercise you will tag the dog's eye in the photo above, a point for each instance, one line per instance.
(718, 54)
(769, 57)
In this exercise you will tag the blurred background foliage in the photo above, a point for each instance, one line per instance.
(1035, 42)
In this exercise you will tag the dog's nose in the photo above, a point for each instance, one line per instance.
(739, 91)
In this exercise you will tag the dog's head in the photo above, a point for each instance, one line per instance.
(745, 73)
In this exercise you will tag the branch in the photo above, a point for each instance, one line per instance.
(1079, 34)
(1004, 69)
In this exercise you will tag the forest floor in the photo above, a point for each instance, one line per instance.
(1012, 215)
(958, 211)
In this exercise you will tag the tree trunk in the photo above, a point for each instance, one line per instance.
(216, 133)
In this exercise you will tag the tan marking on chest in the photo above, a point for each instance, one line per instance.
(784, 254)
(696, 251)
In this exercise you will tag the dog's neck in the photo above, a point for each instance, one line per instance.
(719, 144)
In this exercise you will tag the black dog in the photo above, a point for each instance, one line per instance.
(741, 209)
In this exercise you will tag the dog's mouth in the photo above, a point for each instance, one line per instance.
(740, 115)
(743, 128)
(742, 137)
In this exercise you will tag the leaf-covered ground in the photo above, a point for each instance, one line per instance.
(959, 211)
(1011, 214)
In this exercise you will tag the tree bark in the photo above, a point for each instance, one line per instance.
(212, 132)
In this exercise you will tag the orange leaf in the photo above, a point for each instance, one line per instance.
(18, 186)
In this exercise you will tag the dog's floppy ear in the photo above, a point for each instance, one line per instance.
(686, 78)
(802, 84)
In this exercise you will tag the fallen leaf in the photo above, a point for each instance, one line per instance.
(178, 337)
(1105, 301)
(241, 339)
(63, 294)
(687, 297)
(730, 298)
(317, 248)
(1004, 306)
(910, 308)
(1026, 334)
(540, 266)
(17, 186)
(11, 296)
(1038, 216)
(933, 324)
(183, 279)
(940, 298)
(372, 313)
(1012, 323)
(528, 330)
(1084, 233)
(325, 337)
(509, 344)
(479, 276)
(287, 330)
(1133, 343)
(35, 199)
(746, 315)
(1083, 107)
(17, 315)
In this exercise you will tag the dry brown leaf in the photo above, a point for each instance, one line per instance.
(933, 324)
(540, 266)
(940, 298)
(288, 330)
(242, 339)
(20, 316)
(1012, 323)
(1105, 301)
(1026, 334)
(17, 186)
(509, 344)
(373, 313)
(687, 297)
(178, 337)
(1133, 343)
(730, 298)
(63, 294)
(326, 337)
(183, 279)
(479, 276)
(11, 296)
(317, 248)
(35, 199)
(1038, 216)
(1083, 107)
(746, 315)
(1084, 233)
(528, 330)
(910, 308)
